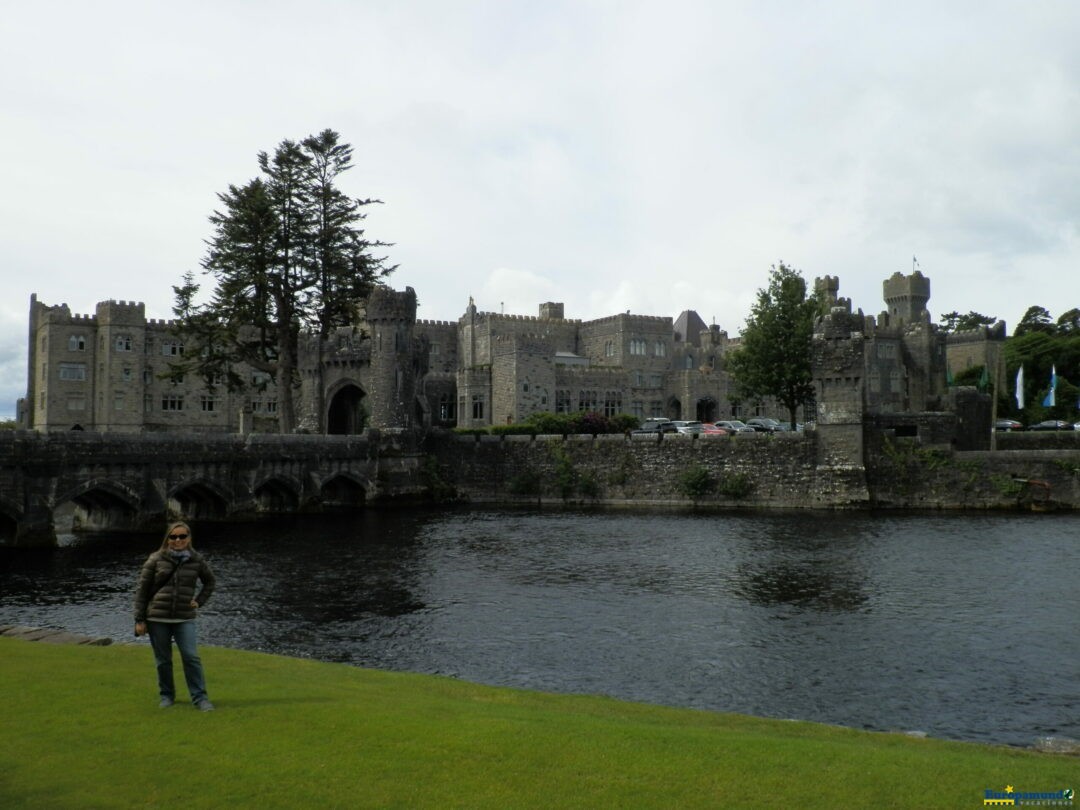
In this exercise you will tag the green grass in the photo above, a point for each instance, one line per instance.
(80, 728)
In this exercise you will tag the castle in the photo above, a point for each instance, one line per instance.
(109, 371)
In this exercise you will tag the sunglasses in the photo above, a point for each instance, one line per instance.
(178, 537)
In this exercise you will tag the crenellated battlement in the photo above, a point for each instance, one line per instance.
(525, 318)
(651, 320)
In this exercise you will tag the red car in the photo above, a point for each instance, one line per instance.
(713, 430)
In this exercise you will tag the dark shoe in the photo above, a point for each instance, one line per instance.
(165, 703)
(204, 705)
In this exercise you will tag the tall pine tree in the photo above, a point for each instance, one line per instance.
(287, 256)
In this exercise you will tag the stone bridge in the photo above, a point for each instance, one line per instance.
(112, 481)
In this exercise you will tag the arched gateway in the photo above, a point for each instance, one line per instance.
(345, 416)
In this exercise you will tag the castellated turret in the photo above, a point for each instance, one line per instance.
(906, 297)
(391, 316)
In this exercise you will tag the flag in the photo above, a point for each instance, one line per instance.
(984, 379)
(1051, 400)
(1020, 388)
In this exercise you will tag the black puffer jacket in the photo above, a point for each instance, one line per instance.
(173, 599)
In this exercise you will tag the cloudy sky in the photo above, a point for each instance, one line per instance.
(643, 156)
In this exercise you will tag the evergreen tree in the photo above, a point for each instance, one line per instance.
(286, 256)
(774, 356)
(1036, 319)
(955, 322)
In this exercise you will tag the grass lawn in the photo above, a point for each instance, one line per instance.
(80, 728)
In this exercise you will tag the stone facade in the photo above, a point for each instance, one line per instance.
(108, 371)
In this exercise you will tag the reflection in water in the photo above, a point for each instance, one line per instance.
(801, 585)
(884, 622)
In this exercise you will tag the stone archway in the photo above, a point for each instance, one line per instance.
(707, 410)
(345, 415)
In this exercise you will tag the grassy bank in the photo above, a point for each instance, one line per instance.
(80, 728)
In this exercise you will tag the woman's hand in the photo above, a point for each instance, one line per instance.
(140, 628)
(194, 605)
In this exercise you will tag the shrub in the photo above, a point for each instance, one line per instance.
(736, 485)
(696, 483)
(524, 483)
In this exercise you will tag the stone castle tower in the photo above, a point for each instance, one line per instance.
(391, 316)
(906, 298)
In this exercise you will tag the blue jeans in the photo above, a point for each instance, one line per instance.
(161, 636)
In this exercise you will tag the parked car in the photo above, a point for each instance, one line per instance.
(1008, 425)
(1052, 424)
(762, 424)
(735, 426)
(653, 426)
(684, 426)
(714, 430)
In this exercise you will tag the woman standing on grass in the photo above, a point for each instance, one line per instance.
(165, 607)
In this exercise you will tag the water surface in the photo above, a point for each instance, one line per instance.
(960, 626)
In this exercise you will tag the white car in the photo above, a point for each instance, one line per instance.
(684, 426)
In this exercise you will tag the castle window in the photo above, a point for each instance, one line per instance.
(172, 402)
(271, 406)
(477, 406)
(259, 380)
(446, 408)
(639, 379)
(689, 361)
(656, 381)
(637, 346)
(656, 408)
(612, 403)
(588, 401)
(73, 371)
(126, 374)
(609, 349)
(147, 376)
(562, 401)
(660, 349)
(123, 343)
(76, 343)
(637, 408)
(874, 381)
(41, 400)
(44, 371)
(44, 342)
(207, 403)
(894, 381)
(118, 400)
(525, 387)
(172, 348)
(76, 402)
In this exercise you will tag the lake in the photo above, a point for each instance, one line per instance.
(961, 626)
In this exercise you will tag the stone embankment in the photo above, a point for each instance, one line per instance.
(51, 635)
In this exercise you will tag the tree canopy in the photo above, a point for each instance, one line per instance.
(287, 255)
(774, 357)
(955, 322)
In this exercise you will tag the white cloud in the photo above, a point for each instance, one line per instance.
(615, 155)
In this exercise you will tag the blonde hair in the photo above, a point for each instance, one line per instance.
(175, 525)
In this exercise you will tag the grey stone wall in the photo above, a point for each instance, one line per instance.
(779, 471)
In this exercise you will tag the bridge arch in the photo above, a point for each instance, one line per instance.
(343, 490)
(10, 515)
(99, 504)
(277, 493)
(345, 408)
(199, 499)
